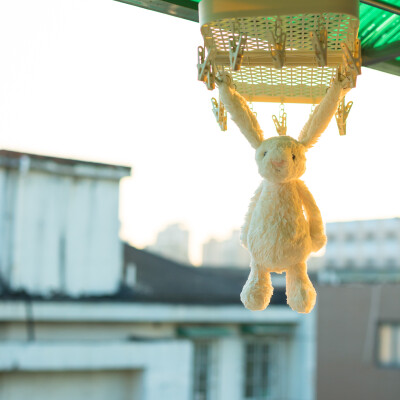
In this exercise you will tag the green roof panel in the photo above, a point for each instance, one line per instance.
(379, 29)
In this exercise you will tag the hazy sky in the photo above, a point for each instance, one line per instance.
(105, 81)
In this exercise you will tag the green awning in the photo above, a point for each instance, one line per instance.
(203, 332)
(270, 329)
(379, 27)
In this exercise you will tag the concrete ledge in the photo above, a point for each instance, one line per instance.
(142, 312)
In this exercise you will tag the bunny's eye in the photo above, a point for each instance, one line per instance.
(265, 152)
(293, 157)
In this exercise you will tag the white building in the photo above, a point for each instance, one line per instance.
(370, 244)
(172, 242)
(59, 225)
(224, 253)
(145, 328)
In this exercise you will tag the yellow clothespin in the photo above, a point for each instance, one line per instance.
(205, 67)
(280, 124)
(278, 47)
(341, 115)
(219, 113)
(236, 51)
(351, 62)
(319, 39)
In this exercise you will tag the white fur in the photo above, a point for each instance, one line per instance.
(283, 224)
(240, 111)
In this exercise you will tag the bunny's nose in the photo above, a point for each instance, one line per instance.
(278, 163)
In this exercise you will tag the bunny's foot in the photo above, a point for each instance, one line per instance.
(300, 292)
(256, 293)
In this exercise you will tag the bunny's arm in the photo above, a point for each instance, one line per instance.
(240, 112)
(314, 218)
(249, 214)
(323, 113)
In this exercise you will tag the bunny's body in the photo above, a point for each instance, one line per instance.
(278, 234)
(283, 224)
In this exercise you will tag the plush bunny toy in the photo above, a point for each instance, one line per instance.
(276, 231)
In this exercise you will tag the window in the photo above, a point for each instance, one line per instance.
(389, 345)
(370, 236)
(369, 262)
(350, 263)
(391, 235)
(204, 374)
(330, 263)
(261, 367)
(391, 262)
(350, 237)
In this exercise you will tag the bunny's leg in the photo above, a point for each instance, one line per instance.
(257, 291)
(300, 292)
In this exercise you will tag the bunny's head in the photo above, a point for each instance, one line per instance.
(281, 159)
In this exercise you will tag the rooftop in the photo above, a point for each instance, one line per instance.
(61, 166)
(159, 280)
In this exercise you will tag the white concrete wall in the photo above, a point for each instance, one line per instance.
(230, 368)
(59, 233)
(165, 367)
(302, 359)
(67, 385)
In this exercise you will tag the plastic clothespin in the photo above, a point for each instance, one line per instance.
(351, 62)
(280, 124)
(205, 67)
(278, 41)
(319, 39)
(219, 113)
(236, 51)
(341, 115)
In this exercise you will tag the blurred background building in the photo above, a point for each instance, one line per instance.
(172, 242)
(360, 250)
(224, 253)
(84, 316)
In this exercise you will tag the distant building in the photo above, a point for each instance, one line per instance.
(355, 245)
(173, 243)
(223, 253)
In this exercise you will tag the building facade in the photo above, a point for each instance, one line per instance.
(358, 341)
(355, 245)
(59, 225)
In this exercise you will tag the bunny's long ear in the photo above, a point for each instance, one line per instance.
(320, 118)
(240, 112)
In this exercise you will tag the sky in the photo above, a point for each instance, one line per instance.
(105, 81)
